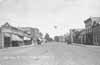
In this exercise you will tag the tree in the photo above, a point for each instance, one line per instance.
(47, 37)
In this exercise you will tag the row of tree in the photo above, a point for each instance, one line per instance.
(57, 38)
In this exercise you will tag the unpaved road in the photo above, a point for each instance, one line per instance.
(51, 54)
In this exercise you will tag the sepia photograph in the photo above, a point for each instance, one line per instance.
(49, 32)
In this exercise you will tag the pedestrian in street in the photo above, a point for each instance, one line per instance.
(38, 41)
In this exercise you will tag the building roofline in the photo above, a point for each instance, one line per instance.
(85, 21)
(90, 18)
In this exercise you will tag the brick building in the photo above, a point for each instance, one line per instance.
(92, 26)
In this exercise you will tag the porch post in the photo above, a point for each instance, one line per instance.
(11, 39)
(23, 41)
(82, 39)
(2, 39)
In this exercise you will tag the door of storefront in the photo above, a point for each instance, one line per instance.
(7, 42)
(7, 39)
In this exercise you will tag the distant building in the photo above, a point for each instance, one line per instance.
(67, 38)
(33, 32)
(11, 36)
(82, 36)
(75, 35)
(60, 38)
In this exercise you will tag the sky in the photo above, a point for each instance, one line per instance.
(46, 14)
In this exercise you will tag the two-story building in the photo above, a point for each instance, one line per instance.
(92, 30)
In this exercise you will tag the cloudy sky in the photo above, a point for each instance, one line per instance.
(45, 14)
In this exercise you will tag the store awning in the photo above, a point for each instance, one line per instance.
(26, 38)
(16, 38)
(7, 35)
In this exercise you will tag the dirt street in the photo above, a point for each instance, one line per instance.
(51, 54)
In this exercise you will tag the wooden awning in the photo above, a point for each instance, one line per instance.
(7, 34)
(26, 38)
(16, 38)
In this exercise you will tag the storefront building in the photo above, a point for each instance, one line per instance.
(11, 36)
